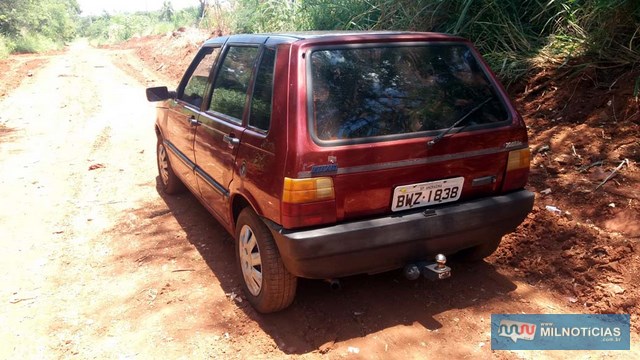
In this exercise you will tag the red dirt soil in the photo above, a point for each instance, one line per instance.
(583, 126)
(16, 70)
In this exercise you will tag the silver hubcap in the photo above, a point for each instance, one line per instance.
(250, 260)
(163, 164)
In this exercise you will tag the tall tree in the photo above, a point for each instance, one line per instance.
(203, 7)
(13, 15)
(166, 13)
(53, 19)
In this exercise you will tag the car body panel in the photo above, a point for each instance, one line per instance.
(216, 161)
(179, 136)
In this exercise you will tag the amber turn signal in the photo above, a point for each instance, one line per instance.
(518, 159)
(297, 191)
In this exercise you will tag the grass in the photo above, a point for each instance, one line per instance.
(6, 47)
(110, 29)
(27, 43)
(514, 35)
(34, 43)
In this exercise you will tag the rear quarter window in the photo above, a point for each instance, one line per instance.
(369, 92)
(260, 117)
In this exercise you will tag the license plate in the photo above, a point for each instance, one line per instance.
(427, 193)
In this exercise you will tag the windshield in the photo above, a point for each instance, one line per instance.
(369, 92)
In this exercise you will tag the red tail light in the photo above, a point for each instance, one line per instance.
(517, 171)
(308, 202)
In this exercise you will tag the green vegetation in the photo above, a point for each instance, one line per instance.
(5, 47)
(109, 29)
(513, 35)
(28, 26)
(36, 25)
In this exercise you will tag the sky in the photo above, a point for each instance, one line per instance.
(96, 7)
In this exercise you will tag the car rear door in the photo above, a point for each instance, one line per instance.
(220, 129)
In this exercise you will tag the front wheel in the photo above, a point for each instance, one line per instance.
(170, 183)
(267, 284)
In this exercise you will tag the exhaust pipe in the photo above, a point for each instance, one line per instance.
(411, 272)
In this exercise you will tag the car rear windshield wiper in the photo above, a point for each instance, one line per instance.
(439, 137)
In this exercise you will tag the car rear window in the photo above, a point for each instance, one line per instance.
(366, 92)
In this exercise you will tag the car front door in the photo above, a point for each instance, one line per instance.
(183, 114)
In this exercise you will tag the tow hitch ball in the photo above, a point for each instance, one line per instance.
(431, 270)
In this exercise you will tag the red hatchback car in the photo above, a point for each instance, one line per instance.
(334, 154)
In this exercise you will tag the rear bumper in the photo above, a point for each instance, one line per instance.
(381, 244)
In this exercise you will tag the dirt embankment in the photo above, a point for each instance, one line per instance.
(16, 69)
(583, 239)
(166, 56)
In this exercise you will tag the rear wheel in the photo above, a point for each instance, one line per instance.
(168, 180)
(267, 284)
(479, 252)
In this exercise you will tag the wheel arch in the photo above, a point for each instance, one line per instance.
(239, 201)
(158, 131)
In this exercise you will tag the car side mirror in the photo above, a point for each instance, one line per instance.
(159, 93)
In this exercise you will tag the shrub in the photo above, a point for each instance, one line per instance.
(6, 47)
(121, 27)
(513, 35)
(34, 43)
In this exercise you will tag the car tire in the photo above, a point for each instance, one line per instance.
(479, 252)
(267, 284)
(169, 182)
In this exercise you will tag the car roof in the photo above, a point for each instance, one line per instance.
(333, 36)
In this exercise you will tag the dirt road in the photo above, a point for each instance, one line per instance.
(96, 264)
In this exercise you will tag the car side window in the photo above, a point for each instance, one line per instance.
(230, 89)
(196, 86)
(260, 117)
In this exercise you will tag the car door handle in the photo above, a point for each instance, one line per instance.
(231, 140)
(194, 122)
